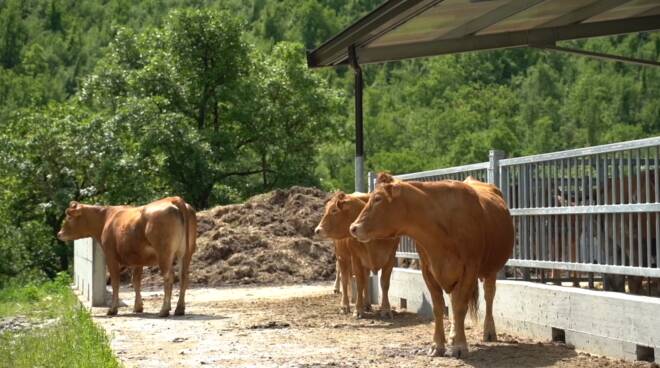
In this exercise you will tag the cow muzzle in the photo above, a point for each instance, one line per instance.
(62, 237)
(319, 231)
(357, 232)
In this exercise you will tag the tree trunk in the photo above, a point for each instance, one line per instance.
(203, 106)
(264, 168)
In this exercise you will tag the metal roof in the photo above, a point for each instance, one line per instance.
(404, 29)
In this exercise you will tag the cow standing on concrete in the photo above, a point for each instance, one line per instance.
(463, 232)
(153, 234)
(340, 212)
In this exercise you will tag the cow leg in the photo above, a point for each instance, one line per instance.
(614, 282)
(352, 283)
(460, 297)
(137, 285)
(361, 284)
(438, 348)
(574, 244)
(635, 285)
(113, 268)
(385, 273)
(489, 323)
(184, 279)
(367, 294)
(337, 278)
(345, 266)
(165, 264)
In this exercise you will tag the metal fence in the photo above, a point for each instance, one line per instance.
(589, 209)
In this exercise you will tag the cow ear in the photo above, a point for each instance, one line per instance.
(340, 195)
(393, 190)
(384, 178)
(74, 209)
(340, 203)
(73, 212)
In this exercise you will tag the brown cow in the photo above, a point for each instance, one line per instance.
(376, 255)
(149, 235)
(463, 231)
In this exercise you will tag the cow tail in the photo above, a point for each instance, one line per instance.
(473, 303)
(186, 249)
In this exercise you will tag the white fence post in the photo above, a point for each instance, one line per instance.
(494, 157)
(89, 271)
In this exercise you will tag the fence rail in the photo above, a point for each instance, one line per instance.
(590, 209)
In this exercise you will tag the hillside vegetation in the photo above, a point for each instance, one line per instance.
(117, 101)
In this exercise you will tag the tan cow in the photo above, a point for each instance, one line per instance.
(340, 212)
(463, 231)
(149, 235)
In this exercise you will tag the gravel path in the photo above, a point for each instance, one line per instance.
(301, 326)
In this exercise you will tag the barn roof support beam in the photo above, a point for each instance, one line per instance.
(601, 56)
(359, 129)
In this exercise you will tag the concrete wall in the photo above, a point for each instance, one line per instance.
(89, 272)
(604, 323)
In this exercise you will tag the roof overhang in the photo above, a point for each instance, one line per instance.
(405, 29)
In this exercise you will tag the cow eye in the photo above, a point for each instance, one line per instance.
(377, 199)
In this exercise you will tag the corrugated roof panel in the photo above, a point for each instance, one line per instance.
(536, 15)
(437, 20)
(636, 8)
(403, 29)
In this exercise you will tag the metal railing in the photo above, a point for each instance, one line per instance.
(589, 209)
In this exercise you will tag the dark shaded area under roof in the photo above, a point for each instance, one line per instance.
(404, 29)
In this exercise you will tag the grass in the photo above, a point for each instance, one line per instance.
(70, 339)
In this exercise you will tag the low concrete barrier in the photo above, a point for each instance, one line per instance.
(89, 272)
(605, 323)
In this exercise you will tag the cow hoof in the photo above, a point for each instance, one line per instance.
(386, 313)
(490, 336)
(164, 313)
(180, 311)
(436, 351)
(367, 307)
(459, 351)
(346, 309)
(139, 309)
(112, 312)
(336, 291)
(358, 314)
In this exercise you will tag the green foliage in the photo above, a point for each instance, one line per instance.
(117, 101)
(63, 334)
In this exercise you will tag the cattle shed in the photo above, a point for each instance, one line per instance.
(610, 193)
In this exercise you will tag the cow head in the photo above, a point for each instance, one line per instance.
(340, 211)
(381, 217)
(75, 224)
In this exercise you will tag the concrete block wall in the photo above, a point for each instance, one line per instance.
(89, 272)
(604, 323)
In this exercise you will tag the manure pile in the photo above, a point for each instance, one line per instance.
(269, 239)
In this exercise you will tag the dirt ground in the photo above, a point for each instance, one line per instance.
(301, 326)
